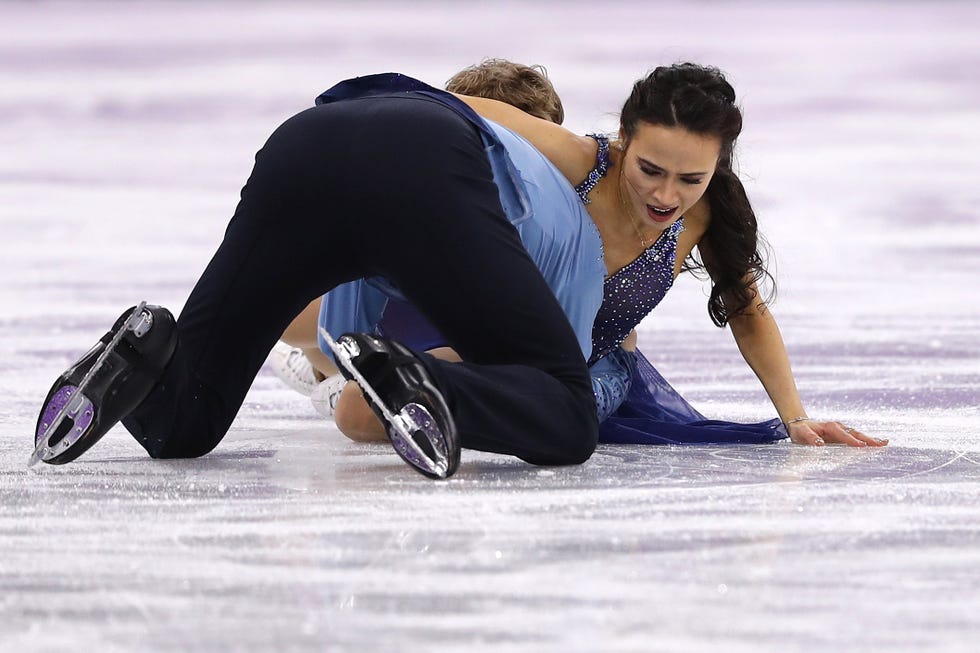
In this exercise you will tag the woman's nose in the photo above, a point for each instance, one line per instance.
(666, 194)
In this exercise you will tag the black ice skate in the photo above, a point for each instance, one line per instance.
(105, 385)
(403, 395)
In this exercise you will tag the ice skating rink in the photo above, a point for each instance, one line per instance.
(126, 132)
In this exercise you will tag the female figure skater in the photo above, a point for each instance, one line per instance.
(385, 177)
(672, 190)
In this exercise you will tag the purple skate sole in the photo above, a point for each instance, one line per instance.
(426, 444)
(426, 435)
(78, 417)
(104, 385)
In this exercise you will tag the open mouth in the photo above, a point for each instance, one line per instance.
(660, 215)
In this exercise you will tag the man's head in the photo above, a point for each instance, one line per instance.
(525, 87)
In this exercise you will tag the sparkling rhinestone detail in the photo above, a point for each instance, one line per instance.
(634, 290)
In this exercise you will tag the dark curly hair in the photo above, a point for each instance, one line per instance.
(700, 100)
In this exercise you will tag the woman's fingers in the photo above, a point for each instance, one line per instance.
(819, 433)
(844, 434)
(868, 440)
(841, 434)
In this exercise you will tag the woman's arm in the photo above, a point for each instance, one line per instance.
(573, 155)
(762, 347)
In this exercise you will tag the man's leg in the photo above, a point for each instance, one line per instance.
(401, 188)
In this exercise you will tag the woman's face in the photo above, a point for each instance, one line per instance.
(665, 171)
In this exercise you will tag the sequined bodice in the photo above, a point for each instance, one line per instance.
(634, 290)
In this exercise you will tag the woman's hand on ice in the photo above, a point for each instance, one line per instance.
(814, 433)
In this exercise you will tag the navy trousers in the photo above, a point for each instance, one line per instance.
(399, 187)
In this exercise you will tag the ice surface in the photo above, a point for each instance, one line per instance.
(126, 131)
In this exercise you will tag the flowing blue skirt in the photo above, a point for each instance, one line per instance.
(654, 413)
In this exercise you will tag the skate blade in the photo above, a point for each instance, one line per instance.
(80, 405)
(412, 419)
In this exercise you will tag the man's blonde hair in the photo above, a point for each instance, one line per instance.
(525, 87)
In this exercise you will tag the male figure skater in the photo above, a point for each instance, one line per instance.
(387, 177)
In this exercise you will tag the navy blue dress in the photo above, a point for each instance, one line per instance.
(636, 404)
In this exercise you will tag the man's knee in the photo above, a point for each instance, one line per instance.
(574, 449)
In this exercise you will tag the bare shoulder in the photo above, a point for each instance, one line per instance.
(572, 154)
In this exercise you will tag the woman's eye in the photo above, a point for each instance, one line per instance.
(649, 171)
(693, 181)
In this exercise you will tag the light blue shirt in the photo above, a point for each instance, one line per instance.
(553, 225)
